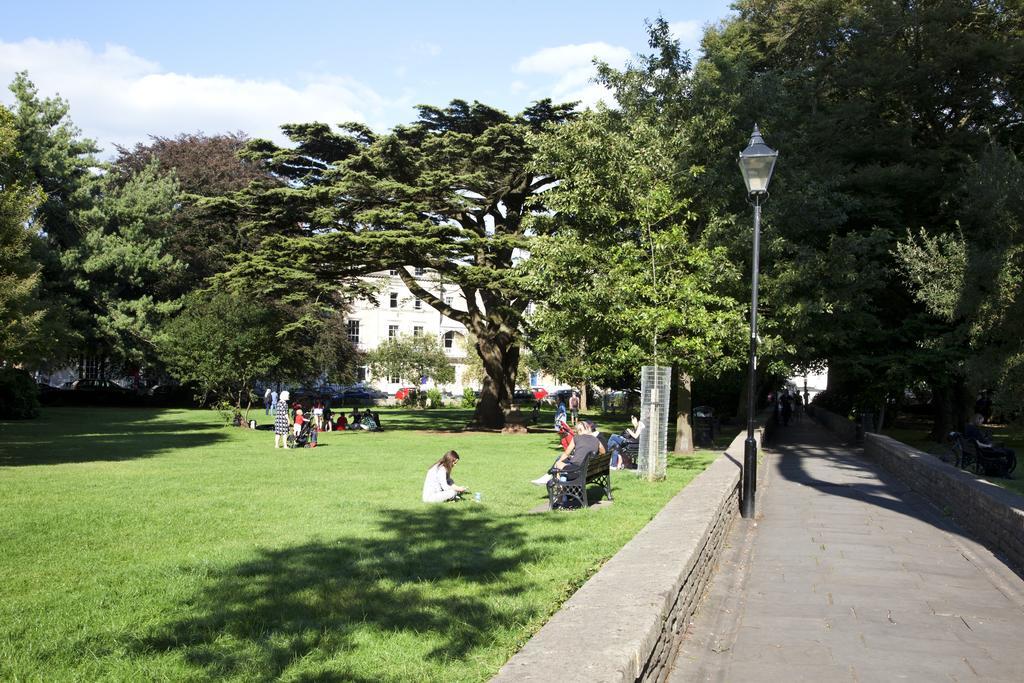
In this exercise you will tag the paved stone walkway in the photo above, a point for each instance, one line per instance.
(847, 575)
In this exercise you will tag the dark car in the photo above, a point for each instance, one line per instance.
(98, 385)
(98, 392)
(523, 396)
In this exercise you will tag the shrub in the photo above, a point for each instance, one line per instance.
(19, 395)
(834, 402)
(468, 398)
(434, 398)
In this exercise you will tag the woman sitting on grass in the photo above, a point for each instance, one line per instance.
(438, 487)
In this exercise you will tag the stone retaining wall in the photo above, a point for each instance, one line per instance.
(993, 514)
(842, 427)
(624, 623)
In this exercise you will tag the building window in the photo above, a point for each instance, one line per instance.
(394, 379)
(449, 340)
(92, 368)
(418, 271)
(361, 373)
(417, 331)
(392, 331)
(448, 300)
(393, 271)
(394, 299)
(353, 331)
(418, 304)
(534, 378)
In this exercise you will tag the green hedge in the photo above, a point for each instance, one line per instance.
(19, 395)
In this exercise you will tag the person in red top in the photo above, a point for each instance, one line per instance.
(299, 421)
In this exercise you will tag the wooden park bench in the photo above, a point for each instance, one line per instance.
(572, 492)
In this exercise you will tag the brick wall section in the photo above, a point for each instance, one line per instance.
(993, 514)
(623, 624)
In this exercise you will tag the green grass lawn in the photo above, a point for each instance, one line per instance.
(916, 434)
(156, 544)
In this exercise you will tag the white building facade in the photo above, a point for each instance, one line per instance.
(397, 311)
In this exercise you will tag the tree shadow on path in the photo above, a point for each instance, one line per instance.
(856, 478)
(442, 575)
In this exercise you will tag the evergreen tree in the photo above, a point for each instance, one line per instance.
(453, 192)
(20, 311)
(57, 160)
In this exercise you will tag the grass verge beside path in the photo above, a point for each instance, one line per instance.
(149, 544)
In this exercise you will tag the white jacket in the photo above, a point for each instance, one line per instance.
(438, 486)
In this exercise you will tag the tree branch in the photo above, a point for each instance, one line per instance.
(432, 299)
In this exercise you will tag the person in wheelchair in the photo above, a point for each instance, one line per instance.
(986, 448)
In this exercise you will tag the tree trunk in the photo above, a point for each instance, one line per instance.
(500, 356)
(684, 406)
(950, 406)
(583, 398)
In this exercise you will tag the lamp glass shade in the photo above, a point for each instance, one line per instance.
(757, 162)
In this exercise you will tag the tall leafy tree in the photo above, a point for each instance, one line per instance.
(411, 358)
(625, 278)
(454, 192)
(972, 278)
(879, 110)
(203, 166)
(20, 311)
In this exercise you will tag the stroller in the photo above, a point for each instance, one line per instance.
(306, 438)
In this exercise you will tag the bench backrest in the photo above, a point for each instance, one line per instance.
(598, 465)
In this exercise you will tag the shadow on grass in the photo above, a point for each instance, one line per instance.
(72, 435)
(445, 576)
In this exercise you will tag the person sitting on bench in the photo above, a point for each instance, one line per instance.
(617, 441)
(582, 444)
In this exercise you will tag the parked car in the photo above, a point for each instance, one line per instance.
(98, 385)
(172, 394)
(523, 396)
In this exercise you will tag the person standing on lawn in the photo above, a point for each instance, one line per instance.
(268, 403)
(282, 422)
(574, 407)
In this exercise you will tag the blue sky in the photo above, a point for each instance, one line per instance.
(131, 69)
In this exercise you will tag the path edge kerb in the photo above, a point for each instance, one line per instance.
(623, 624)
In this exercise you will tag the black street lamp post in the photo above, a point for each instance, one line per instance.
(757, 162)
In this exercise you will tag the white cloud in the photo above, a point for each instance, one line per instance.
(688, 33)
(119, 97)
(424, 48)
(566, 73)
(556, 60)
